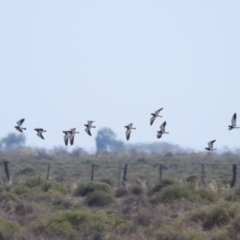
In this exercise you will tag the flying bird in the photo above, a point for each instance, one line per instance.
(210, 146)
(129, 129)
(72, 135)
(19, 124)
(39, 132)
(162, 130)
(66, 136)
(155, 115)
(88, 127)
(234, 122)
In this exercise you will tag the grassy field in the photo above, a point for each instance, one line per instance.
(69, 206)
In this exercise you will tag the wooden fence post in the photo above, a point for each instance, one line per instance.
(92, 174)
(234, 179)
(7, 171)
(119, 174)
(160, 172)
(203, 174)
(48, 171)
(125, 175)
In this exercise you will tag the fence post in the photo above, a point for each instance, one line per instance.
(119, 174)
(234, 179)
(125, 175)
(92, 174)
(48, 171)
(7, 171)
(203, 174)
(160, 172)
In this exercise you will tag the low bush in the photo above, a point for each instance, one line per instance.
(107, 180)
(182, 233)
(61, 203)
(27, 171)
(84, 189)
(136, 189)
(45, 185)
(164, 183)
(99, 199)
(233, 195)
(23, 209)
(20, 189)
(181, 192)
(71, 222)
(143, 217)
(191, 179)
(216, 215)
(121, 192)
(9, 228)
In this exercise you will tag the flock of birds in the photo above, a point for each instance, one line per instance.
(70, 134)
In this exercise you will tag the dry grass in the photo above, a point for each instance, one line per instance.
(69, 206)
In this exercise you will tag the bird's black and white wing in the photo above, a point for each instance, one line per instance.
(19, 129)
(159, 134)
(129, 126)
(210, 144)
(40, 134)
(152, 119)
(66, 136)
(234, 120)
(128, 133)
(162, 127)
(20, 122)
(72, 140)
(87, 129)
(158, 111)
(90, 123)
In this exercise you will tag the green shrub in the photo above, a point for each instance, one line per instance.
(7, 196)
(217, 215)
(99, 199)
(136, 189)
(234, 195)
(61, 203)
(191, 179)
(20, 189)
(176, 232)
(107, 180)
(45, 185)
(121, 192)
(181, 192)
(72, 222)
(27, 171)
(164, 183)
(84, 189)
(9, 228)
(23, 209)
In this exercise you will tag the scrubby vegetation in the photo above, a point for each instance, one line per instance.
(70, 206)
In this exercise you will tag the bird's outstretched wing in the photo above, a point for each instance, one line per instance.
(20, 122)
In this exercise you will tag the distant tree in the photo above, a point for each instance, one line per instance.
(59, 150)
(106, 140)
(77, 151)
(13, 140)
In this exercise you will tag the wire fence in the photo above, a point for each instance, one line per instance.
(124, 173)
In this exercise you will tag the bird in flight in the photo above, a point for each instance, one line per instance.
(155, 115)
(40, 132)
(19, 124)
(129, 129)
(66, 136)
(72, 135)
(210, 146)
(162, 130)
(88, 127)
(234, 122)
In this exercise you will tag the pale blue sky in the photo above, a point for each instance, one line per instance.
(115, 62)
